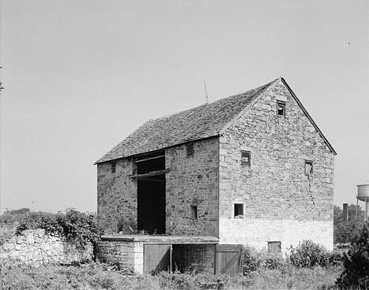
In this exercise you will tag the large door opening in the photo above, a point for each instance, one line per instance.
(151, 193)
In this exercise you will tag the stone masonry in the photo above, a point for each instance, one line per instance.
(34, 246)
(281, 203)
(190, 181)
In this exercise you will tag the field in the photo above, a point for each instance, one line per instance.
(99, 276)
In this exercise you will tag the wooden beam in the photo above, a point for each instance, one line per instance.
(152, 173)
(149, 158)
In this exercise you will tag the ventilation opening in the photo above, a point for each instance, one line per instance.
(150, 174)
(113, 166)
(194, 212)
(246, 158)
(189, 150)
(274, 247)
(238, 210)
(308, 168)
(281, 108)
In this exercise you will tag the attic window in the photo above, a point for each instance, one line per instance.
(246, 158)
(281, 108)
(189, 150)
(113, 166)
(274, 247)
(194, 212)
(308, 168)
(238, 210)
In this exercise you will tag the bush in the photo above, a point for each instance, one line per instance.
(75, 226)
(254, 260)
(308, 255)
(356, 263)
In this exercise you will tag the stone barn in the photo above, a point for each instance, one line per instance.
(251, 169)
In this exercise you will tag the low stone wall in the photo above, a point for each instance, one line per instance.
(35, 246)
(128, 254)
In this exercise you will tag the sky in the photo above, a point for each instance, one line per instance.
(79, 76)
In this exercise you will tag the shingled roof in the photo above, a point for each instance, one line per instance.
(194, 124)
(197, 123)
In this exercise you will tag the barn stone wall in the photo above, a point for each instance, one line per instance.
(281, 203)
(192, 181)
(116, 196)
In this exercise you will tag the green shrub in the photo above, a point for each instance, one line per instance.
(308, 255)
(75, 226)
(254, 260)
(356, 263)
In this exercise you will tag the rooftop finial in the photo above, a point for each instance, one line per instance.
(206, 93)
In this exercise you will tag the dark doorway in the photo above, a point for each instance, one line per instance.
(151, 205)
(151, 193)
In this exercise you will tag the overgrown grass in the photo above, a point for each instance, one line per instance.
(100, 276)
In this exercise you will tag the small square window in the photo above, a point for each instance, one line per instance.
(238, 210)
(189, 150)
(246, 158)
(113, 166)
(308, 168)
(274, 247)
(194, 212)
(281, 108)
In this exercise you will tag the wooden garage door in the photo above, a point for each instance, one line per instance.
(228, 259)
(156, 258)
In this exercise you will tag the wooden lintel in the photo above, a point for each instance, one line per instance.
(152, 173)
(149, 158)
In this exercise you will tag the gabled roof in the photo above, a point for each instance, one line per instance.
(202, 122)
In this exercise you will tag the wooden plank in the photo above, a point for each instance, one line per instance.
(156, 258)
(149, 158)
(228, 259)
(152, 173)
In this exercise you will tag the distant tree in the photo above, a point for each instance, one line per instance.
(19, 211)
(344, 231)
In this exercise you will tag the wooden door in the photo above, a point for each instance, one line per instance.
(157, 258)
(228, 259)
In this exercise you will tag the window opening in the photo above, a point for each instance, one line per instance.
(189, 150)
(113, 166)
(194, 212)
(238, 210)
(246, 158)
(308, 168)
(281, 108)
(274, 247)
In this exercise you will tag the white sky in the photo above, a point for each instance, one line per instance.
(79, 76)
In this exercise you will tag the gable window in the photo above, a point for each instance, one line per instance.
(281, 108)
(308, 168)
(194, 212)
(274, 247)
(246, 158)
(113, 166)
(189, 150)
(238, 210)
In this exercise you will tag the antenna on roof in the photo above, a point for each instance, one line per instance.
(206, 93)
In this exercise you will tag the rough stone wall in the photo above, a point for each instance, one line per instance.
(34, 246)
(194, 257)
(116, 196)
(192, 181)
(280, 202)
(127, 254)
